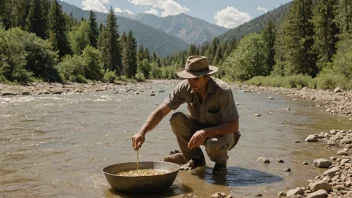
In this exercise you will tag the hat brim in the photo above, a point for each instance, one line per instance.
(187, 74)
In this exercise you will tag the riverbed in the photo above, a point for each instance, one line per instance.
(56, 145)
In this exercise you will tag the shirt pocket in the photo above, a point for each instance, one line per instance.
(192, 110)
(213, 117)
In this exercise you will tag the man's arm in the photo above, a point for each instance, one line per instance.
(222, 129)
(154, 118)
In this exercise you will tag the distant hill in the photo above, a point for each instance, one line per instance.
(155, 40)
(190, 29)
(257, 24)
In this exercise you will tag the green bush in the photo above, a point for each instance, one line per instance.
(93, 63)
(110, 76)
(71, 67)
(139, 77)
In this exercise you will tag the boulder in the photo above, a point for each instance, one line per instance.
(322, 163)
(320, 185)
(318, 194)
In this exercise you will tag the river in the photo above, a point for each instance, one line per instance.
(56, 145)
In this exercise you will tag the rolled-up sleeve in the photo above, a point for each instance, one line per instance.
(228, 107)
(177, 96)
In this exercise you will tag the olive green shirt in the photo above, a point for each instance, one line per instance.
(217, 107)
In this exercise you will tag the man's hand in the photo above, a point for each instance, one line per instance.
(197, 139)
(137, 141)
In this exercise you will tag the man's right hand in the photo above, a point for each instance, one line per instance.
(137, 141)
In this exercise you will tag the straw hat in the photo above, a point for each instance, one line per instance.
(196, 66)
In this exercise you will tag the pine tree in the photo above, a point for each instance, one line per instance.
(269, 34)
(298, 40)
(36, 22)
(110, 44)
(132, 56)
(58, 30)
(344, 15)
(20, 13)
(94, 31)
(325, 31)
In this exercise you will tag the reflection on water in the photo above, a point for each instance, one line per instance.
(56, 146)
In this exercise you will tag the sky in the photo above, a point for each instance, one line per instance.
(225, 13)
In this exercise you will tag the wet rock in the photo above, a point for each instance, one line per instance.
(258, 195)
(263, 160)
(312, 138)
(257, 115)
(281, 194)
(287, 170)
(333, 158)
(270, 98)
(305, 163)
(342, 152)
(318, 194)
(287, 109)
(297, 141)
(176, 158)
(322, 163)
(296, 191)
(280, 161)
(218, 195)
(318, 185)
(152, 94)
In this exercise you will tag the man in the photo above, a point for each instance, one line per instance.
(213, 120)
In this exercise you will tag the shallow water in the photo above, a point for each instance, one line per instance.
(56, 146)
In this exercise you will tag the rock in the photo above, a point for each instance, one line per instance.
(257, 115)
(337, 89)
(332, 171)
(218, 195)
(333, 158)
(263, 160)
(322, 163)
(176, 158)
(305, 163)
(318, 185)
(296, 191)
(287, 170)
(318, 194)
(281, 194)
(270, 98)
(297, 141)
(229, 196)
(152, 94)
(280, 161)
(258, 195)
(342, 152)
(312, 138)
(287, 109)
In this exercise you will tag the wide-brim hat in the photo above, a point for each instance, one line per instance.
(196, 66)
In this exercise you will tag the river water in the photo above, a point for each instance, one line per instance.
(56, 145)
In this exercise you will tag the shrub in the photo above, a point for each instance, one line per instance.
(110, 76)
(140, 77)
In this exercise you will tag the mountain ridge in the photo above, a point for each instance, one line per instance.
(155, 40)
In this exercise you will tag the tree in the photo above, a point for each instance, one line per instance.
(129, 56)
(58, 30)
(110, 46)
(36, 22)
(297, 40)
(248, 60)
(325, 30)
(344, 15)
(93, 30)
(269, 36)
(79, 38)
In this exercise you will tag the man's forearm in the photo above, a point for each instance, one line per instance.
(152, 121)
(223, 129)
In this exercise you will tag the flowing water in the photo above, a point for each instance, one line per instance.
(56, 145)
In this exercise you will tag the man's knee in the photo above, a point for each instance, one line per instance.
(177, 118)
(214, 146)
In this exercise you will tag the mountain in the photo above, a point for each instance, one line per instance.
(155, 40)
(257, 24)
(190, 29)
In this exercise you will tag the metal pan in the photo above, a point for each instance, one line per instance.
(138, 184)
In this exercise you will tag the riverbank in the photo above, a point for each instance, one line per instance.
(335, 102)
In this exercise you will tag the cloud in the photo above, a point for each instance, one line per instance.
(169, 7)
(152, 11)
(119, 10)
(230, 17)
(96, 5)
(262, 9)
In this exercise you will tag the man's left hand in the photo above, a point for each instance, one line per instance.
(197, 139)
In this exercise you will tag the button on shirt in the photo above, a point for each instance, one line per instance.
(217, 107)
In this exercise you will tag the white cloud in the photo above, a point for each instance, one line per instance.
(152, 11)
(119, 10)
(262, 9)
(96, 5)
(169, 7)
(230, 17)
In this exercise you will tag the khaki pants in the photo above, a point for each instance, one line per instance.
(184, 127)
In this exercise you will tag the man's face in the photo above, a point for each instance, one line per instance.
(199, 83)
